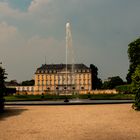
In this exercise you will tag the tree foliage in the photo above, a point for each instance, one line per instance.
(28, 83)
(134, 58)
(2, 82)
(112, 82)
(136, 87)
(96, 82)
(126, 88)
(2, 88)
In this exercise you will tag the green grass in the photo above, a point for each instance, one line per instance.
(62, 97)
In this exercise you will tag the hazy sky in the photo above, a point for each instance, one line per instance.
(33, 29)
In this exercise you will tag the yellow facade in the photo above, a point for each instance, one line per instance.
(49, 80)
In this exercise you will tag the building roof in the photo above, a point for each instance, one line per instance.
(59, 67)
(11, 83)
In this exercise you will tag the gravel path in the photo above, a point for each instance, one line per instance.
(85, 122)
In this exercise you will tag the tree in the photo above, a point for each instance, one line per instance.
(28, 83)
(2, 87)
(112, 82)
(134, 58)
(96, 82)
(136, 87)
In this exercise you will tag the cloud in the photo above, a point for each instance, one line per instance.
(8, 33)
(7, 11)
(37, 5)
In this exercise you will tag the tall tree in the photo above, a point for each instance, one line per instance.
(96, 82)
(134, 58)
(2, 81)
(28, 83)
(2, 87)
(136, 87)
(112, 82)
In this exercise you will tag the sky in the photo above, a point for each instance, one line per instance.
(31, 30)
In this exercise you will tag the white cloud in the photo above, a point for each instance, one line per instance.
(37, 41)
(6, 10)
(36, 5)
(8, 33)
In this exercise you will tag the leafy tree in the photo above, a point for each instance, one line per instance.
(136, 87)
(2, 87)
(134, 58)
(112, 82)
(2, 81)
(96, 82)
(28, 83)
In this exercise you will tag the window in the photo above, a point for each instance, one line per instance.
(27, 88)
(23, 89)
(84, 76)
(42, 76)
(38, 76)
(32, 89)
(38, 83)
(48, 82)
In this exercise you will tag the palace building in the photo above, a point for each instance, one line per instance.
(59, 78)
(62, 77)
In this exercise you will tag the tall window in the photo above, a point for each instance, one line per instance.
(42, 77)
(38, 77)
(32, 89)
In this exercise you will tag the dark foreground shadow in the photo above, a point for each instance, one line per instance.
(11, 111)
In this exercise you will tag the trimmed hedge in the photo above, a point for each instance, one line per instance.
(62, 97)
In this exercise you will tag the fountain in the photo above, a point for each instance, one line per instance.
(70, 78)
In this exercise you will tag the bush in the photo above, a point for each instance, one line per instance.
(126, 89)
(136, 104)
(136, 88)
